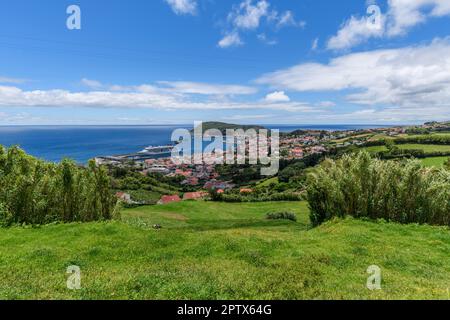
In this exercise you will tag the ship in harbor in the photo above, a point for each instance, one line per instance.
(157, 151)
(150, 152)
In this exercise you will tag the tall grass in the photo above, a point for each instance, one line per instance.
(361, 186)
(36, 192)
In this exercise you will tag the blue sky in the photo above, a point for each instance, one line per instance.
(243, 61)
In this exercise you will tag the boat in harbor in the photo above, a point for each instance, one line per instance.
(157, 151)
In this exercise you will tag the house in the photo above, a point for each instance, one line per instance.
(125, 197)
(183, 173)
(194, 195)
(158, 169)
(192, 181)
(215, 185)
(168, 199)
(297, 153)
(246, 190)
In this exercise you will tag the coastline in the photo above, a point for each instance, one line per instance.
(81, 143)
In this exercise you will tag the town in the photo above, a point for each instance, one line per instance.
(195, 179)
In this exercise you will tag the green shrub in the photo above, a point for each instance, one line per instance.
(361, 186)
(282, 216)
(36, 192)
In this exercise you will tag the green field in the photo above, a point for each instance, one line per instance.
(427, 148)
(434, 161)
(224, 251)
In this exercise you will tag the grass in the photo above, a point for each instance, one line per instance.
(427, 148)
(434, 161)
(267, 182)
(224, 251)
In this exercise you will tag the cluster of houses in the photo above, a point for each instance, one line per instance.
(193, 174)
(205, 176)
(316, 142)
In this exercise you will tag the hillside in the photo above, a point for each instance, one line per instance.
(224, 251)
(224, 126)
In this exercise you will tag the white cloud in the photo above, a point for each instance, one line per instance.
(11, 80)
(400, 17)
(230, 40)
(174, 96)
(93, 84)
(326, 104)
(407, 77)
(249, 15)
(263, 38)
(181, 7)
(315, 44)
(287, 19)
(208, 89)
(354, 32)
(248, 117)
(277, 96)
(405, 14)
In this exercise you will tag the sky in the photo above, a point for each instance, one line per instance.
(140, 62)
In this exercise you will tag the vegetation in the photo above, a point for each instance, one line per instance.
(437, 162)
(144, 189)
(447, 164)
(363, 187)
(208, 250)
(258, 195)
(35, 192)
(222, 127)
(282, 216)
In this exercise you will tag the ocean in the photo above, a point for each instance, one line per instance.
(81, 143)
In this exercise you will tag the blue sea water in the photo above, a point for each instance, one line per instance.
(81, 143)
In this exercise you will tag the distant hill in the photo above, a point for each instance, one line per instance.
(222, 126)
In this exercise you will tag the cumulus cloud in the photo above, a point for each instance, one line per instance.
(277, 96)
(417, 76)
(405, 14)
(355, 31)
(170, 96)
(230, 40)
(250, 14)
(400, 17)
(182, 7)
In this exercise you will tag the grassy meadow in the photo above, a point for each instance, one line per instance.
(434, 161)
(209, 250)
(427, 148)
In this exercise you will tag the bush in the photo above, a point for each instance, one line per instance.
(282, 216)
(363, 187)
(36, 192)
(234, 197)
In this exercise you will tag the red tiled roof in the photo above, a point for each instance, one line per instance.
(193, 195)
(168, 199)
